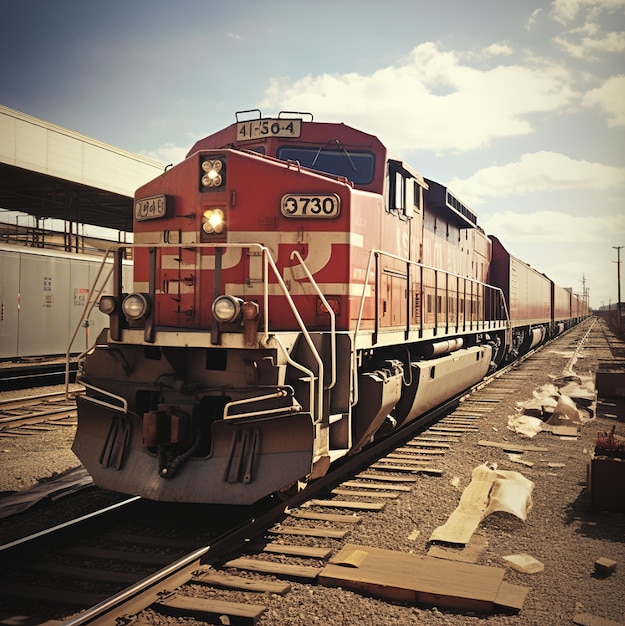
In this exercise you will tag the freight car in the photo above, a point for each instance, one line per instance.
(43, 295)
(539, 309)
(299, 291)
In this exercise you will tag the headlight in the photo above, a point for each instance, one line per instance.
(227, 309)
(213, 173)
(107, 304)
(213, 221)
(135, 306)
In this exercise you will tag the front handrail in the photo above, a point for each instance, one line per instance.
(268, 263)
(330, 311)
(93, 297)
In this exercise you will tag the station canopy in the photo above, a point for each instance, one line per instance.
(50, 172)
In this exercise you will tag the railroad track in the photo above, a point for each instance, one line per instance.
(37, 409)
(26, 375)
(277, 541)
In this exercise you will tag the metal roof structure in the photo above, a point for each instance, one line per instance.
(51, 172)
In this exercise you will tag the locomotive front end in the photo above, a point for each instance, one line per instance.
(208, 384)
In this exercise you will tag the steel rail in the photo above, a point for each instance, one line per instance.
(140, 595)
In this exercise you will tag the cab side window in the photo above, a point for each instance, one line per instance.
(403, 192)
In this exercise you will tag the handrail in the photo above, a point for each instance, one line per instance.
(295, 253)
(85, 314)
(282, 393)
(380, 253)
(268, 262)
(300, 322)
(124, 403)
(301, 368)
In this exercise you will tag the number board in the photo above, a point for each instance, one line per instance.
(150, 208)
(308, 205)
(259, 129)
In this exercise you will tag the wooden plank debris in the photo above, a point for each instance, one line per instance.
(404, 577)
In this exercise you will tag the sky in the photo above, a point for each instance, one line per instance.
(517, 106)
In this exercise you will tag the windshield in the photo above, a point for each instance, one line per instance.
(355, 166)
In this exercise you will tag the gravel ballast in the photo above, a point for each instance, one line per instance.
(562, 530)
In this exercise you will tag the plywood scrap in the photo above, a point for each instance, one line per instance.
(524, 563)
(489, 490)
(403, 577)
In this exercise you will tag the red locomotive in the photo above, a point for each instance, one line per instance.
(298, 291)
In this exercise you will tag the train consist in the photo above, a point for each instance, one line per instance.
(299, 291)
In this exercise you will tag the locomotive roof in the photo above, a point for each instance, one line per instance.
(311, 133)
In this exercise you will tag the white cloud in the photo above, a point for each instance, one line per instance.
(584, 42)
(566, 248)
(498, 49)
(532, 19)
(609, 98)
(537, 172)
(167, 153)
(553, 227)
(435, 100)
(565, 11)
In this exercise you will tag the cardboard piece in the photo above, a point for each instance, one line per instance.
(403, 577)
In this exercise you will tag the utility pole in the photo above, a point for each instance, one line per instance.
(618, 273)
(584, 293)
